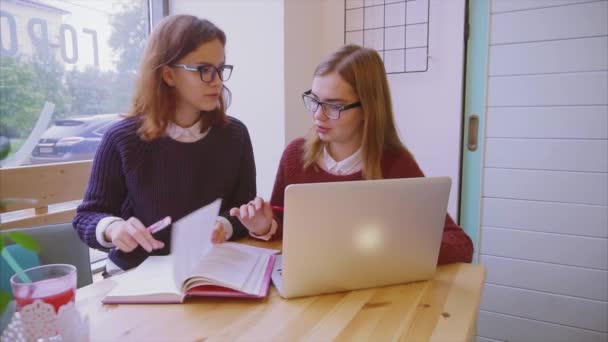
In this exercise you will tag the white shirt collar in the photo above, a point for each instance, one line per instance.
(186, 135)
(350, 165)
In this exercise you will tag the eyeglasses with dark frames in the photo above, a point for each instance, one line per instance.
(330, 110)
(208, 71)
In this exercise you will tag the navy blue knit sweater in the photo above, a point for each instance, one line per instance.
(151, 180)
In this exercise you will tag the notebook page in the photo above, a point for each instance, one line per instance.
(191, 239)
(254, 249)
(145, 280)
(255, 280)
(227, 264)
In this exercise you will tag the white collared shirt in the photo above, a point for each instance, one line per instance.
(186, 135)
(348, 166)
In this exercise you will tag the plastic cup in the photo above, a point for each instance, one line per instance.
(54, 284)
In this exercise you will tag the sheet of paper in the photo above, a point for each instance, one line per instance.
(191, 239)
(228, 264)
(254, 283)
(145, 279)
(254, 249)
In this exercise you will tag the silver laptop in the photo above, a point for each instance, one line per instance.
(352, 235)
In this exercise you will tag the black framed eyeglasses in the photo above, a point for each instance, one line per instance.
(208, 71)
(330, 110)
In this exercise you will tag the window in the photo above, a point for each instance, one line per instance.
(67, 69)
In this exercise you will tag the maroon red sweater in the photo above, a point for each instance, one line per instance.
(456, 246)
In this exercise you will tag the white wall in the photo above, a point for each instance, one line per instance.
(313, 29)
(255, 34)
(302, 53)
(428, 105)
(545, 190)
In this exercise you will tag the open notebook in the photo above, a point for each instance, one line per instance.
(196, 267)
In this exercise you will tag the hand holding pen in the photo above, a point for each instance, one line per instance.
(256, 215)
(127, 235)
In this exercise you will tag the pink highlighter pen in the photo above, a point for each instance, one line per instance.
(160, 225)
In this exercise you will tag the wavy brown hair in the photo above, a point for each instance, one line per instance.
(364, 71)
(154, 101)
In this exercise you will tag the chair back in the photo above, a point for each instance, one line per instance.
(60, 244)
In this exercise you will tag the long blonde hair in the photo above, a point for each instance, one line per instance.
(364, 71)
(154, 101)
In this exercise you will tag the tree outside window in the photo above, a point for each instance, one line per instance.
(67, 70)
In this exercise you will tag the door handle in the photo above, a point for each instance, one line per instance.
(473, 132)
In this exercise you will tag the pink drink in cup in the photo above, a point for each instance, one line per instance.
(54, 284)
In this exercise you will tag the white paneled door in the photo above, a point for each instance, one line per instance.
(535, 191)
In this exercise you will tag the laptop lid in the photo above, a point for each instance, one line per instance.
(342, 236)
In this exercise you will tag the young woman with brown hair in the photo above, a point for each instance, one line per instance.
(353, 138)
(175, 151)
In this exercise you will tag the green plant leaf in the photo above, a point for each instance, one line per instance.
(1, 242)
(24, 241)
(5, 298)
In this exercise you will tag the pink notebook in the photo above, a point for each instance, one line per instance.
(219, 291)
(196, 267)
(143, 285)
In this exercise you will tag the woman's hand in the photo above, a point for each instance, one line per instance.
(127, 235)
(219, 234)
(256, 216)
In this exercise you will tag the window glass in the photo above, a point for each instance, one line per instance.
(67, 69)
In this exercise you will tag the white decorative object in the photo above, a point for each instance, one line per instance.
(39, 322)
(14, 331)
(71, 326)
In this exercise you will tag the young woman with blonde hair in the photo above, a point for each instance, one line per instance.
(176, 150)
(353, 138)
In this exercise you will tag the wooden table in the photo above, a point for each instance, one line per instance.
(442, 309)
